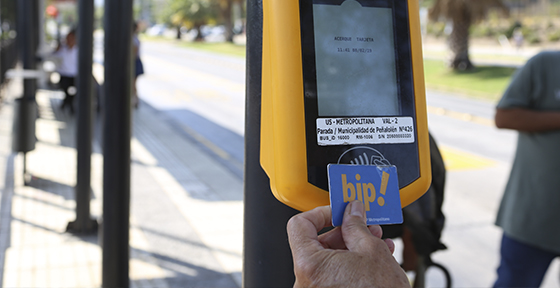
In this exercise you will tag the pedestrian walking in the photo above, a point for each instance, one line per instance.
(67, 68)
(529, 212)
(138, 66)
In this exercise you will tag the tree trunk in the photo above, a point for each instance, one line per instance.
(178, 35)
(228, 19)
(459, 44)
(199, 37)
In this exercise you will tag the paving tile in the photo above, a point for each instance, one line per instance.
(27, 259)
(95, 272)
(12, 260)
(83, 278)
(40, 277)
(11, 277)
(26, 278)
(57, 278)
(41, 262)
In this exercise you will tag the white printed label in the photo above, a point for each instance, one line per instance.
(365, 130)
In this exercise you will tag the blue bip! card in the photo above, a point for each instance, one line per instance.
(376, 187)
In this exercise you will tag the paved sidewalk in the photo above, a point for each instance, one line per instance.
(183, 207)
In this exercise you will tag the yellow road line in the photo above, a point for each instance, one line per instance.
(461, 116)
(459, 160)
(201, 139)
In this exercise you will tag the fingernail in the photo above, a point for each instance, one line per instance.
(357, 209)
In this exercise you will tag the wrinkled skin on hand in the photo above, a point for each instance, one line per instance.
(353, 255)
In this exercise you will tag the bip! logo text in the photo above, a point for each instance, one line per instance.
(364, 191)
(376, 187)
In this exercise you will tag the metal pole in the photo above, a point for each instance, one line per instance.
(267, 259)
(26, 14)
(1, 44)
(83, 223)
(26, 45)
(41, 39)
(116, 148)
(58, 36)
(35, 26)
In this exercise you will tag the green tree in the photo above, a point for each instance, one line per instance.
(462, 14)
(227, 17)
(190, 13)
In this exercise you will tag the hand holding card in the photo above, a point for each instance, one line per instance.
(352, 255)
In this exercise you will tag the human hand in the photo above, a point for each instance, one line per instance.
(352, 255)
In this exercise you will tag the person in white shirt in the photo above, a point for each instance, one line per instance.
(68, 69)
(138, 66)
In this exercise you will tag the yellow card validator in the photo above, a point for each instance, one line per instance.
(375, 186)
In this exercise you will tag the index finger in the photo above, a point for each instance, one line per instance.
(303, 228)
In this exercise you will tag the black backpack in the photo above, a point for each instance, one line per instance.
(424, 217)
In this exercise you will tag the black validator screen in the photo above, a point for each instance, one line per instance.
(357, 66)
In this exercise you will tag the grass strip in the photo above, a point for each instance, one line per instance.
(217, 47)
(484, 82)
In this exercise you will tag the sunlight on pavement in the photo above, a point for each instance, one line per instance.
(460, 160)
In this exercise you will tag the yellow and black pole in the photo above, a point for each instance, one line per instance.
(267, 260)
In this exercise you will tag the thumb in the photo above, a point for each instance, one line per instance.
(355, 232)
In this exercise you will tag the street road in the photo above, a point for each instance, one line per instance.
(202, 95)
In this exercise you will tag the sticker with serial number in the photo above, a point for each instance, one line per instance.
(365, 130)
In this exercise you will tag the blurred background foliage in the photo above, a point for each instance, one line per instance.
(537, 19)
(219, 25)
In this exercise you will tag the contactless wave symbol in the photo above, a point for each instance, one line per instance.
(363, 156)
